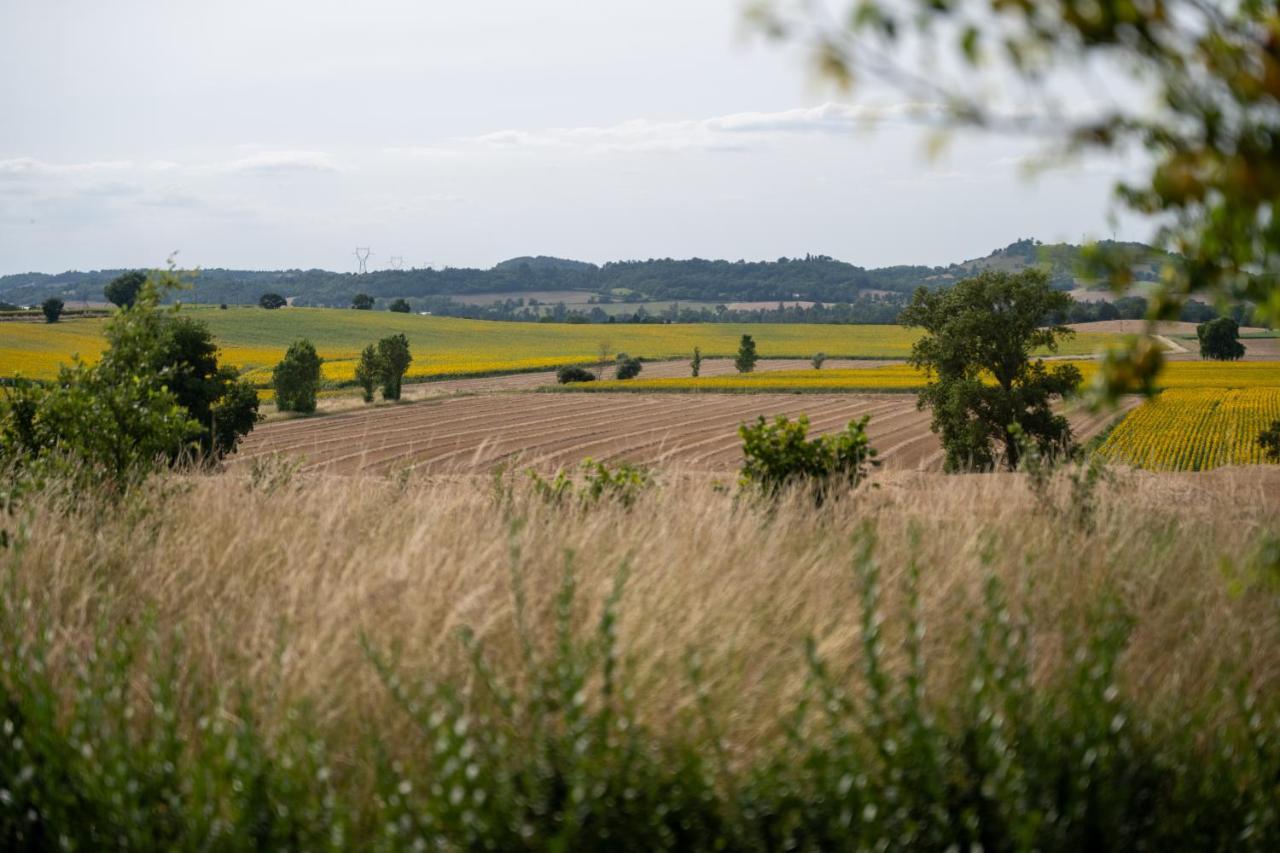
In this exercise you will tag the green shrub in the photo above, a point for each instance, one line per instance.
(695, 366)
(52, 308)
(399, 306)
(780, 454)
(296, 378)
(573, 373)
(627, 367)
(623, 483)
(818, 360)
(272, 301)
(745, 360)
(394, 359)
(368, 369)
(362, 302)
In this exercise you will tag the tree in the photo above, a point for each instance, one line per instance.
(368, 369)
(1220, 340)
(52, 308)
(272, 301)
(746, 358)
(296, 378)
(976, 352)
(696, 365)
(393, 361)
(627, 367)
(224, 406)
(1269, 439)
(1213, 141)
(400, 306)
(818, 360)
(122, 290)
(362, 302)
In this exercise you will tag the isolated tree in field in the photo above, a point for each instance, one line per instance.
(572, 373)
(746, 359)
(362, 302)
(1212, 138)
(393, 361)
(225, 407)
(123, 289)
(696, 365)
(1269, 439)
(52, 308)
(400, 306)
(818, 360)
(976, 351)
(368, 371)
(627, 367)
(1220, 340)
(272, 301)
(297, 377)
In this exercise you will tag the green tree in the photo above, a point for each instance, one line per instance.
(1211, 68)
(297, 377)
(818, 360)
(627, 367)
(572, 373)
(114, 421)
(122, 290)
(976, 351)
(1220, 340)
(368, 369)
(394, 359)
(225, 407)
(696, 365)
(1269, 439)
(746, 359)
(400, 306)
(52, 308)
(362, 302)
(272, 301)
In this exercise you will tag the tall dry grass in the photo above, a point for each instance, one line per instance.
(273, 581)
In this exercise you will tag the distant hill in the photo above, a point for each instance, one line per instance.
(813, 278)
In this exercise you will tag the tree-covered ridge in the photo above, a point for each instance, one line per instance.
(813, 278)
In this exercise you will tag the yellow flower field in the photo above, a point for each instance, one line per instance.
(254, 339)
(1191, 429)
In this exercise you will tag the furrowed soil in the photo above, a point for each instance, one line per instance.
(691, 432)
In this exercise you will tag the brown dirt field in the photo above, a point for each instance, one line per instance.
(687, 432)
(1134, 327)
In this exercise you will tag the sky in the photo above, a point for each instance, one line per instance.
(281, 134)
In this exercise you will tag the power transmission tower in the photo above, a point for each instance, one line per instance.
(396, 262)
(362, 258)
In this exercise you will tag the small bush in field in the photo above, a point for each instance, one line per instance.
(627, 367)
(622, 483)
(780, 454)
(368, 369)
(572, 373)
(695, 366)
(818, 360)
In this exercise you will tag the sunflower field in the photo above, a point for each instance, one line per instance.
(1192, 429)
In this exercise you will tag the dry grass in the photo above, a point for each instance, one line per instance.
(273, 583)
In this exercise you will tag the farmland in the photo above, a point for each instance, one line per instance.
(254, 339)
(1192, 429)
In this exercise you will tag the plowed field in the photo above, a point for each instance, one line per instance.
(688, 432)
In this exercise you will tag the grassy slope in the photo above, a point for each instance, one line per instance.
(254, 338)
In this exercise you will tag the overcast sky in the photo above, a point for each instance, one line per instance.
(283, 133)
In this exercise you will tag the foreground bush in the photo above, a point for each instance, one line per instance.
(780, 454)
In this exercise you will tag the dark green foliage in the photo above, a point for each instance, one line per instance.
(627, 367)
(622, 483)
(1220, 340)
(818, 360)
(573, 373)
(52, 308)
(985, 328)
(1270, 441)
(225, 407)
(99, 751)
(695, 366)
(780, 454)
(296, 378)
(368, 369)
(400, 306)
(394, 359)
(746, 358)
(272, 301)
(123, 290)
(362, 302)
(115, 421)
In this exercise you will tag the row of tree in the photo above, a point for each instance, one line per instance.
(296, 378)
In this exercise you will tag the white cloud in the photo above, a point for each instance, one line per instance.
(278, 162)
(734, 132)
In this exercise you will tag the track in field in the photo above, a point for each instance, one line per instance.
(695, 432)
